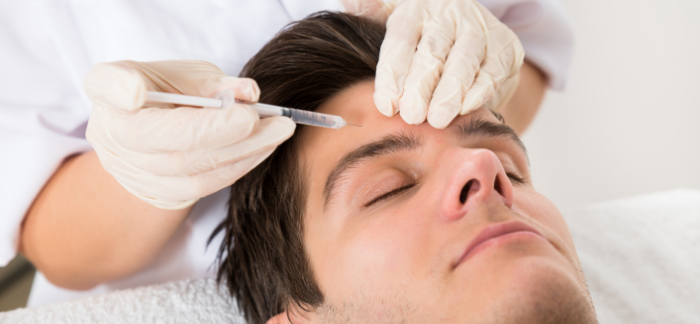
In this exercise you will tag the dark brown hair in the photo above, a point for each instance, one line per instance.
(262, 257)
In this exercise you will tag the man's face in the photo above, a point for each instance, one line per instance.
(395, 214)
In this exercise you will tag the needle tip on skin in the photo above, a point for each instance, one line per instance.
(354, 125)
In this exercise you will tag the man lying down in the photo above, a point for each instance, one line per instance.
(389, 222)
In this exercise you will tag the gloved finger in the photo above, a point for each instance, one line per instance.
(200, 78)
(504, 93)
(187, 77)
(461, 68)
(153, 130)
(212, 181)
(269, 134)
(206, 183)
(505, 67)
(243, 88)
(157, 189)
(495, 69)
(375, 10)
(395, 57)
(122, 85)
(116, 86)
(503, 60)
(425, 70)
(481, 91)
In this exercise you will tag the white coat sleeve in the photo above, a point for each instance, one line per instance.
(42, 116)
(545, 31)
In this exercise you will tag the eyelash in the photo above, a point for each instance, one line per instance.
(404, 188)
(515, 178)
(389, 194)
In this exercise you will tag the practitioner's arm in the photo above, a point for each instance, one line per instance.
(523, 106)
(102, 219)
(84, 228)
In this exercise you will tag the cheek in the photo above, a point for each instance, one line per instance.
(540, 209)
(383, 252)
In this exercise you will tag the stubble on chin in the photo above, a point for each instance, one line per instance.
(363, 308)
(551, 298)
(555, 301)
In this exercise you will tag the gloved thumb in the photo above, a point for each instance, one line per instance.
(243, 88)
(116, 85)
(375, 10)
(198, 78)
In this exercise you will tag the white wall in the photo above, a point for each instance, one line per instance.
(629, 121)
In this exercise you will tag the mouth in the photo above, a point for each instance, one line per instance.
(495, 233)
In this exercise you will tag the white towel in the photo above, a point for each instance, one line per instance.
(641, 257)
(187, 301)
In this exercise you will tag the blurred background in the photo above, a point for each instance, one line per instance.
(628, 123)
(629, 120)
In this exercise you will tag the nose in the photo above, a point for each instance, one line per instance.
(476, 177)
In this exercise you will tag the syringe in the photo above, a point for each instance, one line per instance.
(225, 99)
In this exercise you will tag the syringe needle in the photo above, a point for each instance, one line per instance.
(348, 124)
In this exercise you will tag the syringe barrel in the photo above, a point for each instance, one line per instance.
(298, 116)
(315, 119)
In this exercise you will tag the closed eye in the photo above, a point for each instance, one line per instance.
(515, 178)
(397, 191)
(390, 194)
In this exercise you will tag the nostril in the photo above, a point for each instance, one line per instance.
(497, 185)
(465, 191)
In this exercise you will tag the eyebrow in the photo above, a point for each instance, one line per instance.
(482, 127)
(386, 145)
(403, 141)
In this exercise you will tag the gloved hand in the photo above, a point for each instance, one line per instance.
(441, 58)
(170, 157)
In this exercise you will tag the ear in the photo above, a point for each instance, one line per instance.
(377, 10)
(282, 318)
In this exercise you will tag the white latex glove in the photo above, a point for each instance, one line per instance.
(170, 157)
(441, 58)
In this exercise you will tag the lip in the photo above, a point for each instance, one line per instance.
(492, 232)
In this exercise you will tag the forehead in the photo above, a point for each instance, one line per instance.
(321, 148)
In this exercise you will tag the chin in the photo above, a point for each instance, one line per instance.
(539, 291)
